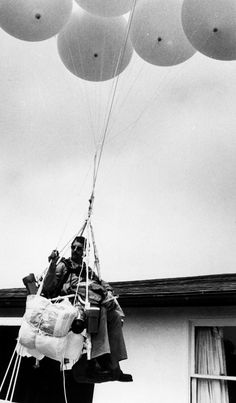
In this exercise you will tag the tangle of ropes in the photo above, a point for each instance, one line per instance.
(100, 148)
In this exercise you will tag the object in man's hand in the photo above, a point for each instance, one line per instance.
(30, 283)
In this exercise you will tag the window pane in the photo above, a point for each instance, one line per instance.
(232, 391)
(209, 391)
(215, 350)
(209, 351)
(215, 354)
(230, 349)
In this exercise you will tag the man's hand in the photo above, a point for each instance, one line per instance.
(54, 256)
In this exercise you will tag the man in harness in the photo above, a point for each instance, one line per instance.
(70, 276)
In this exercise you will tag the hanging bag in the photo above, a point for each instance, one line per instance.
(45, 326)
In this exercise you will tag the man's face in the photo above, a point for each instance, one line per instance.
(77, 251)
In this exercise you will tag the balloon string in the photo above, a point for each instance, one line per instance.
(98, 153)
(131, 125)
(115, 85)
(85, 92)
(121, 55)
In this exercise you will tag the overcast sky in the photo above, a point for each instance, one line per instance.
(165, 200)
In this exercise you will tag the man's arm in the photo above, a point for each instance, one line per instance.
(53, 280)
(107, 286)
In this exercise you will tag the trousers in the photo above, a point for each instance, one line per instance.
(109, 339)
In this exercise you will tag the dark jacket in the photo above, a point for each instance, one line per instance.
(66, 278)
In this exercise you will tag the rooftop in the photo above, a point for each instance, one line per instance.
(218, 289)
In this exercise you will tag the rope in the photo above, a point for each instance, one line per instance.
(98, 155)
(114, 92)
(9, 365)
(97, 263)
(64, 385)
(16, 376)
(99, 151)
(87, 267)
(15, 371)
(97, 160)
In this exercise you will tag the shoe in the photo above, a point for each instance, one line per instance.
(92, 375)
(97, 373)
(125, 377)
(119, 376)
(100, 377)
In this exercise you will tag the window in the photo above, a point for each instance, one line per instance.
(213, 362)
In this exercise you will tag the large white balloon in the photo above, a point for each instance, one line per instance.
(106, 8)
(210, 26)
(157, 34)
(93, 48)
(34, 20)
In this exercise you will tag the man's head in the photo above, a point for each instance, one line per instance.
(77, 249)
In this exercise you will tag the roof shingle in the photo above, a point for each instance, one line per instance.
(218, 289)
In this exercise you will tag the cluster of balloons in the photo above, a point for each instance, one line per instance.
(96, 42)
(168, 32)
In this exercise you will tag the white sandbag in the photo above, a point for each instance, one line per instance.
(27, 335)
(52, 347)
(57, 318)
(35, 306)
(74, 346)
(28, 352)
(51, 318)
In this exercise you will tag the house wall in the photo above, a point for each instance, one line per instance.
(158, 343)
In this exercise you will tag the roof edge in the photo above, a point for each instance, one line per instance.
(215, 289)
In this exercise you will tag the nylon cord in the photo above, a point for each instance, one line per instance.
(9, 365)
(114, 92)
(16, 376)
(99, 151)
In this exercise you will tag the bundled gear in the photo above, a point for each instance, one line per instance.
(102, 316)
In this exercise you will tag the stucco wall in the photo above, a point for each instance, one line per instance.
(158, 341)
(158, 347)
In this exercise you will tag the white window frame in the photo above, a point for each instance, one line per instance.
(218, 322)
(10, 321)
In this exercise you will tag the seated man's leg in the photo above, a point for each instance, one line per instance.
(116, 338)
(100, 340)
(108, 345)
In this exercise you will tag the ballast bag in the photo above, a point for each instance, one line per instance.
(74, 346)
(51, 318)
(35, 306)
(59, 348)
(57, 318)
(27, 335)
(45, 327)
(28, 352)
(52, 347)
